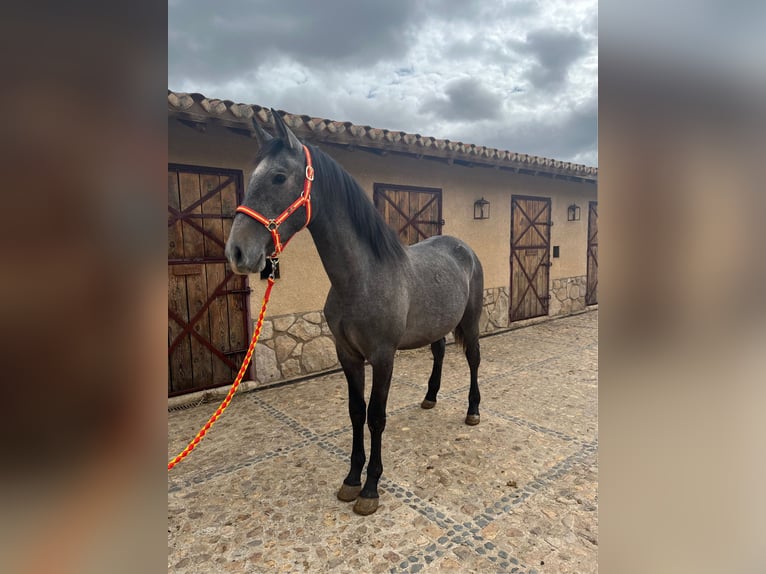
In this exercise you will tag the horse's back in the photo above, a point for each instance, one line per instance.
(446, 280)
(440, 250)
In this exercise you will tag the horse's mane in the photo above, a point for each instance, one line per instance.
(368, 223)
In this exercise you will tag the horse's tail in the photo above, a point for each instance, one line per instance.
(460, 337)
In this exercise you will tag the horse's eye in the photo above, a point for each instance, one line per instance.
(279, 178)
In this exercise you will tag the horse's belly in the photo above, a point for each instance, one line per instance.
(424, 332)
(432, 317)
(417, 343)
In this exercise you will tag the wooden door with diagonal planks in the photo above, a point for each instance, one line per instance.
(415, 213)
(530, 256)
(207, 302)
(591, 289)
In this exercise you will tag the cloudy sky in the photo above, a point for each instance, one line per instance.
(519, 75)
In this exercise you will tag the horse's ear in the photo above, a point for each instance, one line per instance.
(261, 136)
(285, 133)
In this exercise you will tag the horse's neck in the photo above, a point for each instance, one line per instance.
(346, 258)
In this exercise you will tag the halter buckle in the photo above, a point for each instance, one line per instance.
(310, 173)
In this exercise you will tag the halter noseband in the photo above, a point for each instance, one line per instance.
(273, 224)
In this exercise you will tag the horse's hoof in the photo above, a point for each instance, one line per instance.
(365, 506)
(426, 404)
(349, 493)
(472, 420)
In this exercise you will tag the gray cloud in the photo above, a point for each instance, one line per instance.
(479, 11)
(466, 99)
(466, 70)
(554, 52)
(221, 41)
(568, 135)
(480, 48)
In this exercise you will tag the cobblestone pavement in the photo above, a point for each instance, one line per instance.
(517, 493)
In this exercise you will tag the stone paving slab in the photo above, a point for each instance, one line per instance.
(518, 493)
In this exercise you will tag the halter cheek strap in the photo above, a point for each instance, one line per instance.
(273, 224)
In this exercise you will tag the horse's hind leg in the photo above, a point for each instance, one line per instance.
(435, 380)
(473, 354)
(468, 332)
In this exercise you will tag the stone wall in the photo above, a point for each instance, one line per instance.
(494, 315)
(294, 345)
(567, 295)
(301, 344)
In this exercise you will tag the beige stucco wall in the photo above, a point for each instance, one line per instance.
(304, 285)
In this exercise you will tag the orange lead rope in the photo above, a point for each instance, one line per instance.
(273, 226)
(237, 381)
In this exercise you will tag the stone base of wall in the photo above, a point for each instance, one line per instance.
(294, 345)
(494, 315)
(301, 344)
(567, 295)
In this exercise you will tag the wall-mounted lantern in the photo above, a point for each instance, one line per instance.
(573, 212)
(481, 209)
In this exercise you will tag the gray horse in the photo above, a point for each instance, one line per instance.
(383, 297)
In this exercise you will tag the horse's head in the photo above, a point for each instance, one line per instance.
(276, 183)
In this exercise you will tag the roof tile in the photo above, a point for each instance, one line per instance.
(198, 106)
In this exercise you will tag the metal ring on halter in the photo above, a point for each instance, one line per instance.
(274, 264)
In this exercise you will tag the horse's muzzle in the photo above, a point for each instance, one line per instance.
(243, 261)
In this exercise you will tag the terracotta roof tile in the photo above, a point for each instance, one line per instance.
(200, 109)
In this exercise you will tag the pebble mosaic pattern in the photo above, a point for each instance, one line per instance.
(517, 493)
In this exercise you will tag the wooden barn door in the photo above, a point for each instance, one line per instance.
(591, 290)
(207, 303)
(415, 213)
(530, 256)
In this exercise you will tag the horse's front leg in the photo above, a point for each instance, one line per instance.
(353, 367)
(367, 503)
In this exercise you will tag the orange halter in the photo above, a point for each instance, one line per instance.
(273, 224)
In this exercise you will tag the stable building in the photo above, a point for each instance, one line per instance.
(532, 221)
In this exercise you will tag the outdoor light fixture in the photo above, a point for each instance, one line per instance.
(481, 209)
(573, 212)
